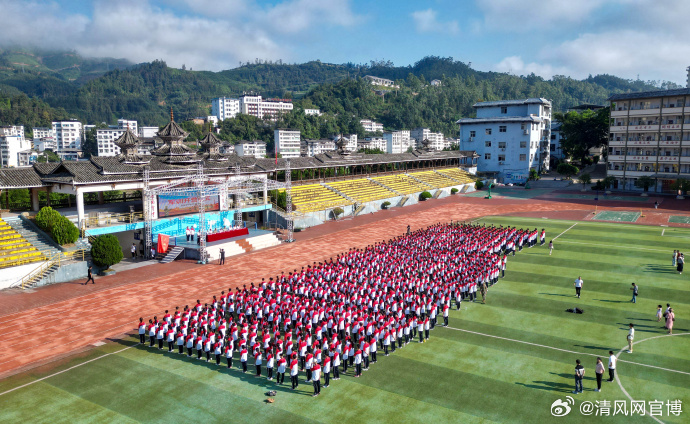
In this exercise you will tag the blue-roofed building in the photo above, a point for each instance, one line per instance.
(510, 136)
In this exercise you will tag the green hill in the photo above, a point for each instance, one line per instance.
(145, 92)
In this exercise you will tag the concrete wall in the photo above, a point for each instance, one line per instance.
(68, 272)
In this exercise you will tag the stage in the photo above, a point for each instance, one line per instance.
(182, 240)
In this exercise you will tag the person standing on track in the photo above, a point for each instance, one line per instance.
(578, 286)
(90, 275)
(142, 331)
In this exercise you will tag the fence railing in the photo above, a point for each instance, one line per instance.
(51, 260)
(103, 218)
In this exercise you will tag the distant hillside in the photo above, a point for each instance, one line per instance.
(146, 91)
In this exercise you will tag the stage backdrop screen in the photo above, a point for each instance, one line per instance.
(172, 205)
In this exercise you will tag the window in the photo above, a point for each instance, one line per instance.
(487, 144)
(502, 128)
(473, 133)
(553, 147)
(531, 158)
(522, 126)
(523, 157)
(523, 144)
(487, 156)
(501, 144)
(504, 109)
(501, 158)
(487, 131)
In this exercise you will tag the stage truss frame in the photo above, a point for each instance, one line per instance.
(203, 186)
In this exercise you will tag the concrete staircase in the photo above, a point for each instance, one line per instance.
(172, 254)
(437, 194)
(29, 233)
(261, 242)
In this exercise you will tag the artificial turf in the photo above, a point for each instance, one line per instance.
(496, 362)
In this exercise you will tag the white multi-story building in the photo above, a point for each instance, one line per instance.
(12, 130)
(123, 124)
(397, 141)
(256, 148)
(436, 140)
(350, 142)
(372, 143)
(510, 136)
(42, 132)
(27, 157)
(315, 112)
(12, 142)
(43, 144)
(225, 107)
(380, 81)
(148, 132)
(67, 134)
(649, 136)
(371, 126)
(264, 109)
(316, 147)
(555, 148)
(287, 142)
(105, 137)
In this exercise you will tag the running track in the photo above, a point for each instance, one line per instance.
(54, 321)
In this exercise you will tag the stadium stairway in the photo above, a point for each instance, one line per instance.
(27, 231)
(172, 254)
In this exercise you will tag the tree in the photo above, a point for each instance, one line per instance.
(682, 185)
(64, 231)
(48, 156)
(567, 169)
(585, 179)
(583, 131)
(424, 195)
(608, 182)
(644, 182)
(106, 251)
(337, 212)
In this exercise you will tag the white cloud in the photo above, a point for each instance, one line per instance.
(427, 21)
(514, 65)
(206, 36)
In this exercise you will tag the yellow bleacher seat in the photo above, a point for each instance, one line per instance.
(14, 250)
(433, 179)
(362, 190)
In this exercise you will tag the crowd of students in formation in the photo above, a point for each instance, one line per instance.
(342, 313)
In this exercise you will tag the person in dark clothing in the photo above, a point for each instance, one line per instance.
(579, 374)
(222, 257)
(90, 275)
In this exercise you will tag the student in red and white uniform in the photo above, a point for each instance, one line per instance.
(243, 357)
(358, 363)
(180, 342)
(208, 346)
(420, 330)
(372, 350)
(316, 379)
(142, 331)
(270, 360)
(446, 308)
(170, 338)
(228, 353)
(199, 342)
(282, 365)
(190, 344)
(258, 362)
(336, 364)
(160, 335)
(218, 351)
(310, 364)
(327, 370)
(294, 372)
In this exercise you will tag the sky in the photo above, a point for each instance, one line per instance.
(627, 38)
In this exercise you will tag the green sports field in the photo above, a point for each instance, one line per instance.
(506, 361)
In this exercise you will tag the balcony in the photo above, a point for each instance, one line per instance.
(646, 111)
(644, 127)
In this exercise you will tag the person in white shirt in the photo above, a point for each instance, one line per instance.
(578, 286)
(631, 337)
(612, 365)
(316, 379)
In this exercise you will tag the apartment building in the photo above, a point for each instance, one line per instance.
(316, 147)
(68, 134)
(381, 81)
(256, 148)
(287, 142)
(397, 141)
(225, 107)
(42, 132)
(649, 136)
(264, 109)
(511, 137)
(12, 142)
(372, 143)
(371, 126)
(105, 137)
(312, 112)
(436, 140)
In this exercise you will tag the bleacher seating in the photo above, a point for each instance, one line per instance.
(457, 174)
(315, 197)
(433, 179)
(14, 249)
(362, 190)
(401, 183)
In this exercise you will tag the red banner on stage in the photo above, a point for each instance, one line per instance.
(163, 242)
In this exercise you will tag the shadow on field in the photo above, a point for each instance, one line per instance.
(548, 386)
(660, 268)
(606, 349)
(235, 371)
(558, 294)
(612, 301)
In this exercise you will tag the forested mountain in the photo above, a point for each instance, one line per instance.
(146, 92)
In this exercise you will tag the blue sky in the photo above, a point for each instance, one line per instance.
(553, 37)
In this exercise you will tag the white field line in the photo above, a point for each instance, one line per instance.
(65, 370)
(568, 351)
(662, 232)
(614, 246)
(565, 230)
(618, 380)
